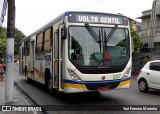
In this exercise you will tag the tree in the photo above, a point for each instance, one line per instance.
(19, 35)
(2, 48)
(2, 42)
(136, 39)
(3, 31)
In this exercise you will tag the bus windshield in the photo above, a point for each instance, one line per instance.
(98, 46)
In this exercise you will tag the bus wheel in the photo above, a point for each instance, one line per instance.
(48, 82)
(50, 89)
(49, 86)
(26, 76)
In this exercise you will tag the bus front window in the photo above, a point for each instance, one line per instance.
(104, 50)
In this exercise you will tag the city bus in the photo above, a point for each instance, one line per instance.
(79, 52)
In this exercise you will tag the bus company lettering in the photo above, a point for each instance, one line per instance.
(110, 20)
(96, 19)
(88, 19)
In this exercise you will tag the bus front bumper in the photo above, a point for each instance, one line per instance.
(71, 86)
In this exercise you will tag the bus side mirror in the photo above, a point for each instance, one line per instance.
(63, 33)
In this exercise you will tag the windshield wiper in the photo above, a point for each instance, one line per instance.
(92, 33)
(97, 38)
(107, 38)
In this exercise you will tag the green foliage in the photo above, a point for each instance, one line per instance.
(2, 48)
(2, 42)
(136, 39)
(3, 33)
(18, 37)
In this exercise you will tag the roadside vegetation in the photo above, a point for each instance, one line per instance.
(19, 35)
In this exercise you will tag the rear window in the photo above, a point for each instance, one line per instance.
(155, 66)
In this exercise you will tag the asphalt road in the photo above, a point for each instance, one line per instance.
(100, 102)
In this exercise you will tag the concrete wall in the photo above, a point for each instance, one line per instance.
(140, 59)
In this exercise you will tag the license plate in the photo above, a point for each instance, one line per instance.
(103, 88)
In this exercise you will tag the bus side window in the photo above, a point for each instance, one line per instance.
(39, 42)
(47, 40)
(56, 44)
(26, 48)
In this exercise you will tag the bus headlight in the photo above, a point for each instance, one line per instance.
(73, 75)
(127, 73)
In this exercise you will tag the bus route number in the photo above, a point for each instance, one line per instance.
(116, 76)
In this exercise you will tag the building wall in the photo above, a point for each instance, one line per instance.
(3, 7)
(150, 32)
(145, 30)
(156, 27)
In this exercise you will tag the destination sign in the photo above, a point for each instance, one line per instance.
(97, 18)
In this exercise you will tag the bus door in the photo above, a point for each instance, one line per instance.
(31, 62)
(58, 60)
(61, 55)
(21, 61)
(55, 59)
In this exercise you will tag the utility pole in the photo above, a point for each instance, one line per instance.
(10, 51)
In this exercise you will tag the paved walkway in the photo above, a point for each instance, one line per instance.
(18, 99)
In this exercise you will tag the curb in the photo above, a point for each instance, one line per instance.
(27, 95)
(133, 77)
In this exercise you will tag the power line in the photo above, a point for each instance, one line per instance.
(91, 4)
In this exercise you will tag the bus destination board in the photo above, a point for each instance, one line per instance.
(97, 18)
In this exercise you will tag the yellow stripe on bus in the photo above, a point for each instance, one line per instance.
(74, 85)
(124, 83)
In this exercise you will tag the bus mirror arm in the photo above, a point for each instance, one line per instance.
(63, 33)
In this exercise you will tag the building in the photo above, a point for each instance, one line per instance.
(3, 7)
(150, 28)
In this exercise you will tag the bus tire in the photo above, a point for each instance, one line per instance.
(48, 82)
(26, 76)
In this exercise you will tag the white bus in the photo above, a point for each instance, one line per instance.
(79, 52)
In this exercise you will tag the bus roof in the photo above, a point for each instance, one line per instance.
(67, 13)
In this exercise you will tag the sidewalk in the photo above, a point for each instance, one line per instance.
(134, 76)
(18, 99)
